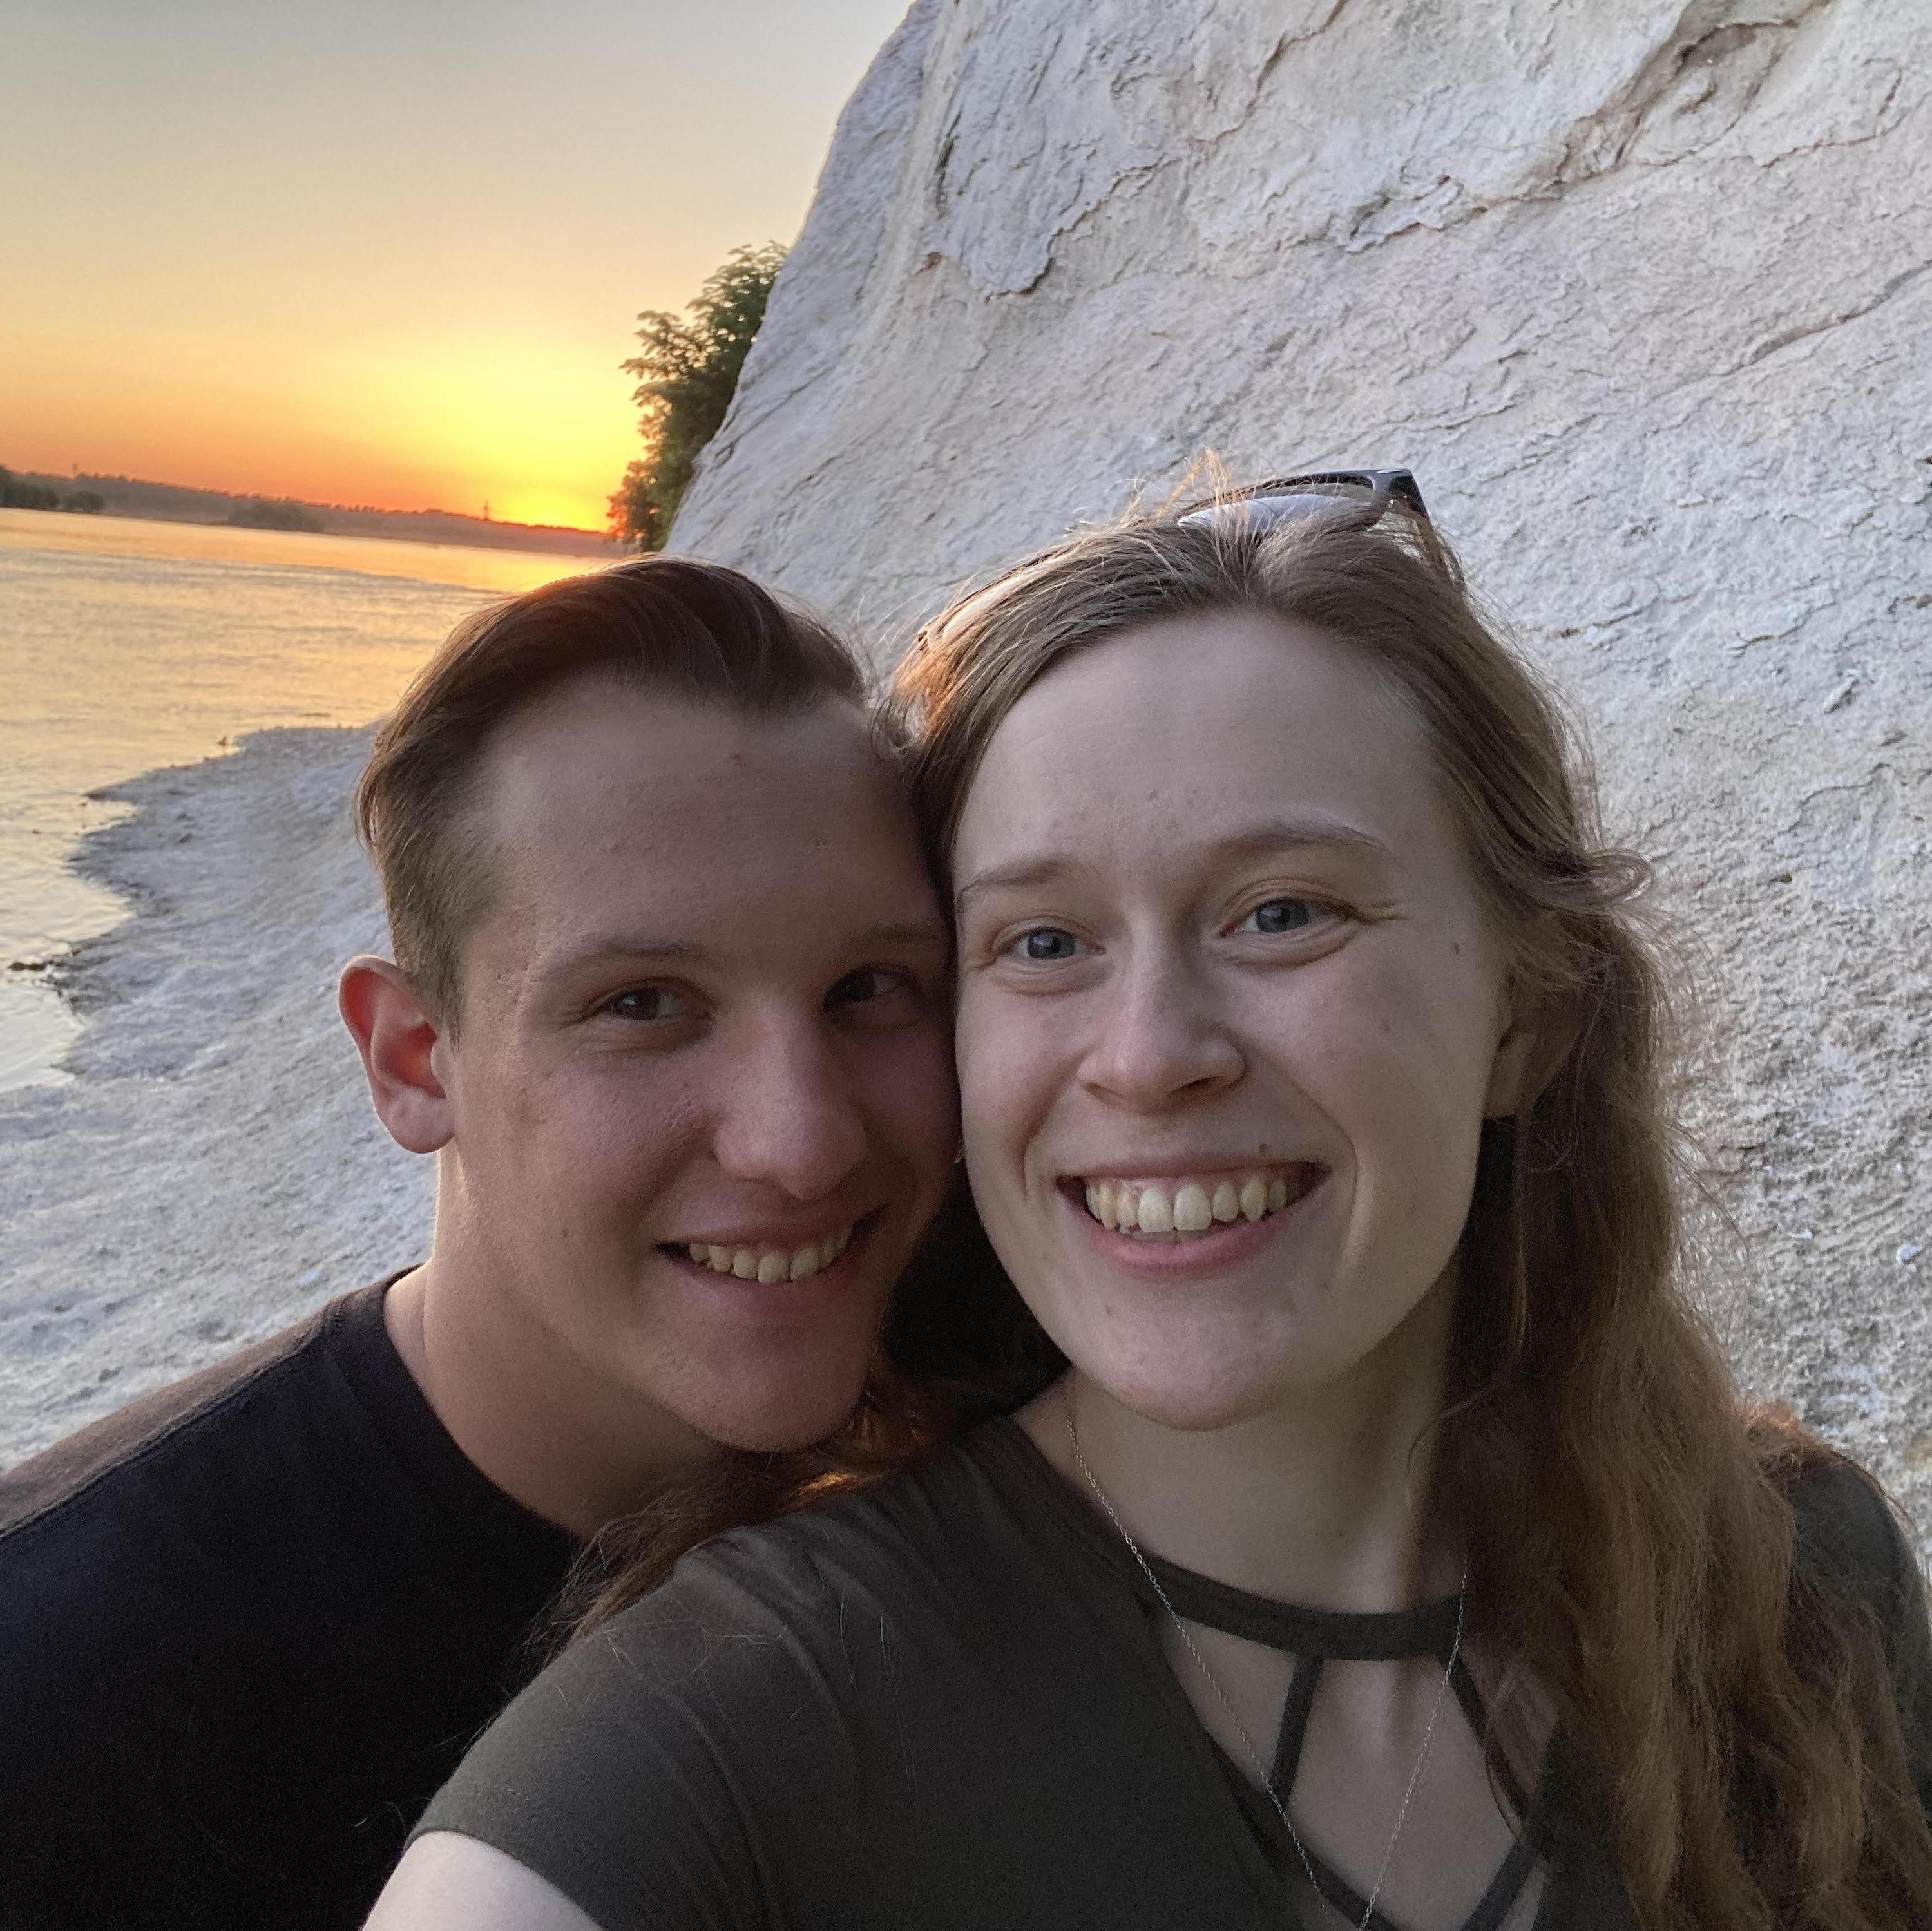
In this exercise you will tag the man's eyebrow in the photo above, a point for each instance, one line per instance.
(908, 932)
(1266, 835)
(639, 947)
(646, 948)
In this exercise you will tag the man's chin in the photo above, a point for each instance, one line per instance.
(786, 1422)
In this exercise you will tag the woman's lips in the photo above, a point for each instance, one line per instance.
(1191, 1251)
(1190, 1207)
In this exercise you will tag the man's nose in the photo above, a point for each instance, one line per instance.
(1158, 1041)
(789, 1118)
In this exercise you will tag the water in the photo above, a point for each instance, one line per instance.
(125, 645)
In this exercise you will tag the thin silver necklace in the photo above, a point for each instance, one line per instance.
(1221, 1696)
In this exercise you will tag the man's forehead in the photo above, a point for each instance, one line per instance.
(628, 798)
(573, 747)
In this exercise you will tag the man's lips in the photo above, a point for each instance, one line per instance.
(768, 1259)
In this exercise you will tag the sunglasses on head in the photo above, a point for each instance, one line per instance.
(1265, 506)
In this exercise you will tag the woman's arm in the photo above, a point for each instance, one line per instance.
(448, 1883)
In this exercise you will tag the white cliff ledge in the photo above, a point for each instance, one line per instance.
(1640, 289)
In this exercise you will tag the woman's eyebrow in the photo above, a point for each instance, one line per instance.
(1298, 834)
(1264, 835)
(1021, 873)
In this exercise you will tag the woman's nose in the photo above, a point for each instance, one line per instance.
(789, 1117)
(1158, 1042)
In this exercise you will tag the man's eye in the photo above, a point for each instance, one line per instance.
(1046, 945)
(645, 1003)
(1281, 914)
(867, 983)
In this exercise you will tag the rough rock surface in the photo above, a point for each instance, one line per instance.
(212, 1171)
(1640, 289)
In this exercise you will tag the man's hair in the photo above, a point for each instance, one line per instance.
(694, 630)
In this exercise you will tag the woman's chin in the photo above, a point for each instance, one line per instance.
(1190, 1398)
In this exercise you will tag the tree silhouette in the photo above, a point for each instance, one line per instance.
(689, 371)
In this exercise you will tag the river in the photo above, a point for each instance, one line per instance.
(125, 645)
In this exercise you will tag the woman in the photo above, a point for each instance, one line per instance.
(1393, 1551)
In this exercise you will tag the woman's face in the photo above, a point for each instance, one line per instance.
(1230, 1015)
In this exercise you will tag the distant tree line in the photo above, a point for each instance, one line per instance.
(277, 513)
(17, 494)
(688, 372)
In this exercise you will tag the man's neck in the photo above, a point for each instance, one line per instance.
(544, 1429)
(1320, 1500)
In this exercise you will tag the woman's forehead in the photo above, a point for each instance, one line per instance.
(1206, 722)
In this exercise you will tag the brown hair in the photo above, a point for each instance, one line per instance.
(697, 630)
(1628, 1522)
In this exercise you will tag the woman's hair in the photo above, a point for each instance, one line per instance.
(1630, 1540)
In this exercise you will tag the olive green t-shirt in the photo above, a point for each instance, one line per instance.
(942, 1705)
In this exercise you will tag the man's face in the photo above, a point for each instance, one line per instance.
(701, 1088)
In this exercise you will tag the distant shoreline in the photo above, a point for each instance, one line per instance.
(174, 502)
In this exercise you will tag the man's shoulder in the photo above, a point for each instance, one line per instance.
(216, 1415)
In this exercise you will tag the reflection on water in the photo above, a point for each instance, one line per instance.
(127, 645)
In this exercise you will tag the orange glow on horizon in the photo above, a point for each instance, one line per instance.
(364, 260)
(538, 435)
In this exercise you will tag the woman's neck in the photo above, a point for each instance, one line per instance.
(1321, 1499)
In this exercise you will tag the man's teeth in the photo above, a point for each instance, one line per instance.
(770, 1265)
(1186, 1207)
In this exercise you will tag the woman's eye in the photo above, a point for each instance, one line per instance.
(1046, 945)
(1280, 915)
(646, 1003)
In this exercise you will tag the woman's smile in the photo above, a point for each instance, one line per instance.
(1194, 1226)
(1196, 1205)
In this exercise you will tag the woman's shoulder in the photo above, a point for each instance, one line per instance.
(1850, 1537)
(1854, 1548)
(981, 1514)
(752, 1703)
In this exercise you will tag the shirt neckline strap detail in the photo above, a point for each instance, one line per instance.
(1427, 1630)
(1341, 1635)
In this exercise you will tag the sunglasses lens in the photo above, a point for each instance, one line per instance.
(1260, 514)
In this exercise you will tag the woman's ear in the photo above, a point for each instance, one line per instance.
(397, 1035)
(1537, 1036)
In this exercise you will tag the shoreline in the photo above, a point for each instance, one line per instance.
(211, 1170)
(143, 501)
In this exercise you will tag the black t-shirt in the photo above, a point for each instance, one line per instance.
(942, 1705)
(246, 1627)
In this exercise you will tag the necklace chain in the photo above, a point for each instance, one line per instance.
(1221, 1696)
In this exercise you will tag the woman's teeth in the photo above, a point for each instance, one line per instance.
(1192, 1206)
(770, 1265)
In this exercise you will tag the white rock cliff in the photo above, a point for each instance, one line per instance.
(1640, 289)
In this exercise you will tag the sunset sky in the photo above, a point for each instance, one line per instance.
(387, 254)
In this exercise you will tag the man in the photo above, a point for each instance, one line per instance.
(668, 1005)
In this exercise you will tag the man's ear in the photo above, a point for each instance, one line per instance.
(397, 1035)
(1535, 1042)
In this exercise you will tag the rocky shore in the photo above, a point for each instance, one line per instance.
(213, 1170)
